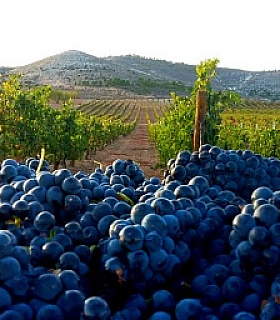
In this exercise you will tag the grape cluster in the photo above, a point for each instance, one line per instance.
(240, 171)
(203, 243)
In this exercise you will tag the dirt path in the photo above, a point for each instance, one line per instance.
(135, 146)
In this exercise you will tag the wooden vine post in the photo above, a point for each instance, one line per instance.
(200, 113)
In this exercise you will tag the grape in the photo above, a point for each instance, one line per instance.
(158, 259)
(261, 192)
(243, 223)
(69, 279)
(163, 206)
(139, 211)
(270, 310)
(69, 261)
(71, 302)
(251, 303)
(266, 214)
(5, 301)
(187, 309)
(5, 244)
(173, 225)
(101, 210)
(71, 185)
(162, 300)
(10, 267)
(202, 243)
(243, 315)
(131, 237)
(121, 208)
(234, 289)
(54, 196)
(22, 255)
(229, 310)
(96, 308)
(29, 184)
(153, 241)
(103, 226)
(217, 274)
(154, 222)
(211, 295)
(44, 221)
(23, 309)
(49, 312)
(8, 172)
(52, 251)
(6, 192)
(138, 260)
(48, 287)
(160, 315)
(46, 179)
(11, 314)
(184, 191)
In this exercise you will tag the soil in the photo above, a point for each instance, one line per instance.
(135, 146)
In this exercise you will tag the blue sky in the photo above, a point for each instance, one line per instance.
(241, 33)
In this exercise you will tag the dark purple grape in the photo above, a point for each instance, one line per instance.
(48, 287)
(96, 308)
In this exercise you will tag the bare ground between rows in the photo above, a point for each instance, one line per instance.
(135, 146)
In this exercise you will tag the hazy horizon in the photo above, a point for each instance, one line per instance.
(128, 54)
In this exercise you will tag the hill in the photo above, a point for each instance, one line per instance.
(5, 71)
(135, 75)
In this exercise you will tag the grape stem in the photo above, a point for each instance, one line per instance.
(41, 160)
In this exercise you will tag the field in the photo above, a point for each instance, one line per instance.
(89, 133)
(254, 125)
(249, 124)
(194, 238)
(137, 144)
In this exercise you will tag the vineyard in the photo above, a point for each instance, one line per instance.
(137, 145)
(86, 131)
(254, 125)
(126, 110)
(230, 122)
(28, 123)
(119, 241)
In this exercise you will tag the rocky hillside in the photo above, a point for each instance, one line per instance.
(133, 75)
(5, 71)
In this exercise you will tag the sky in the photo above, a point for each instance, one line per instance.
(242, 34)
